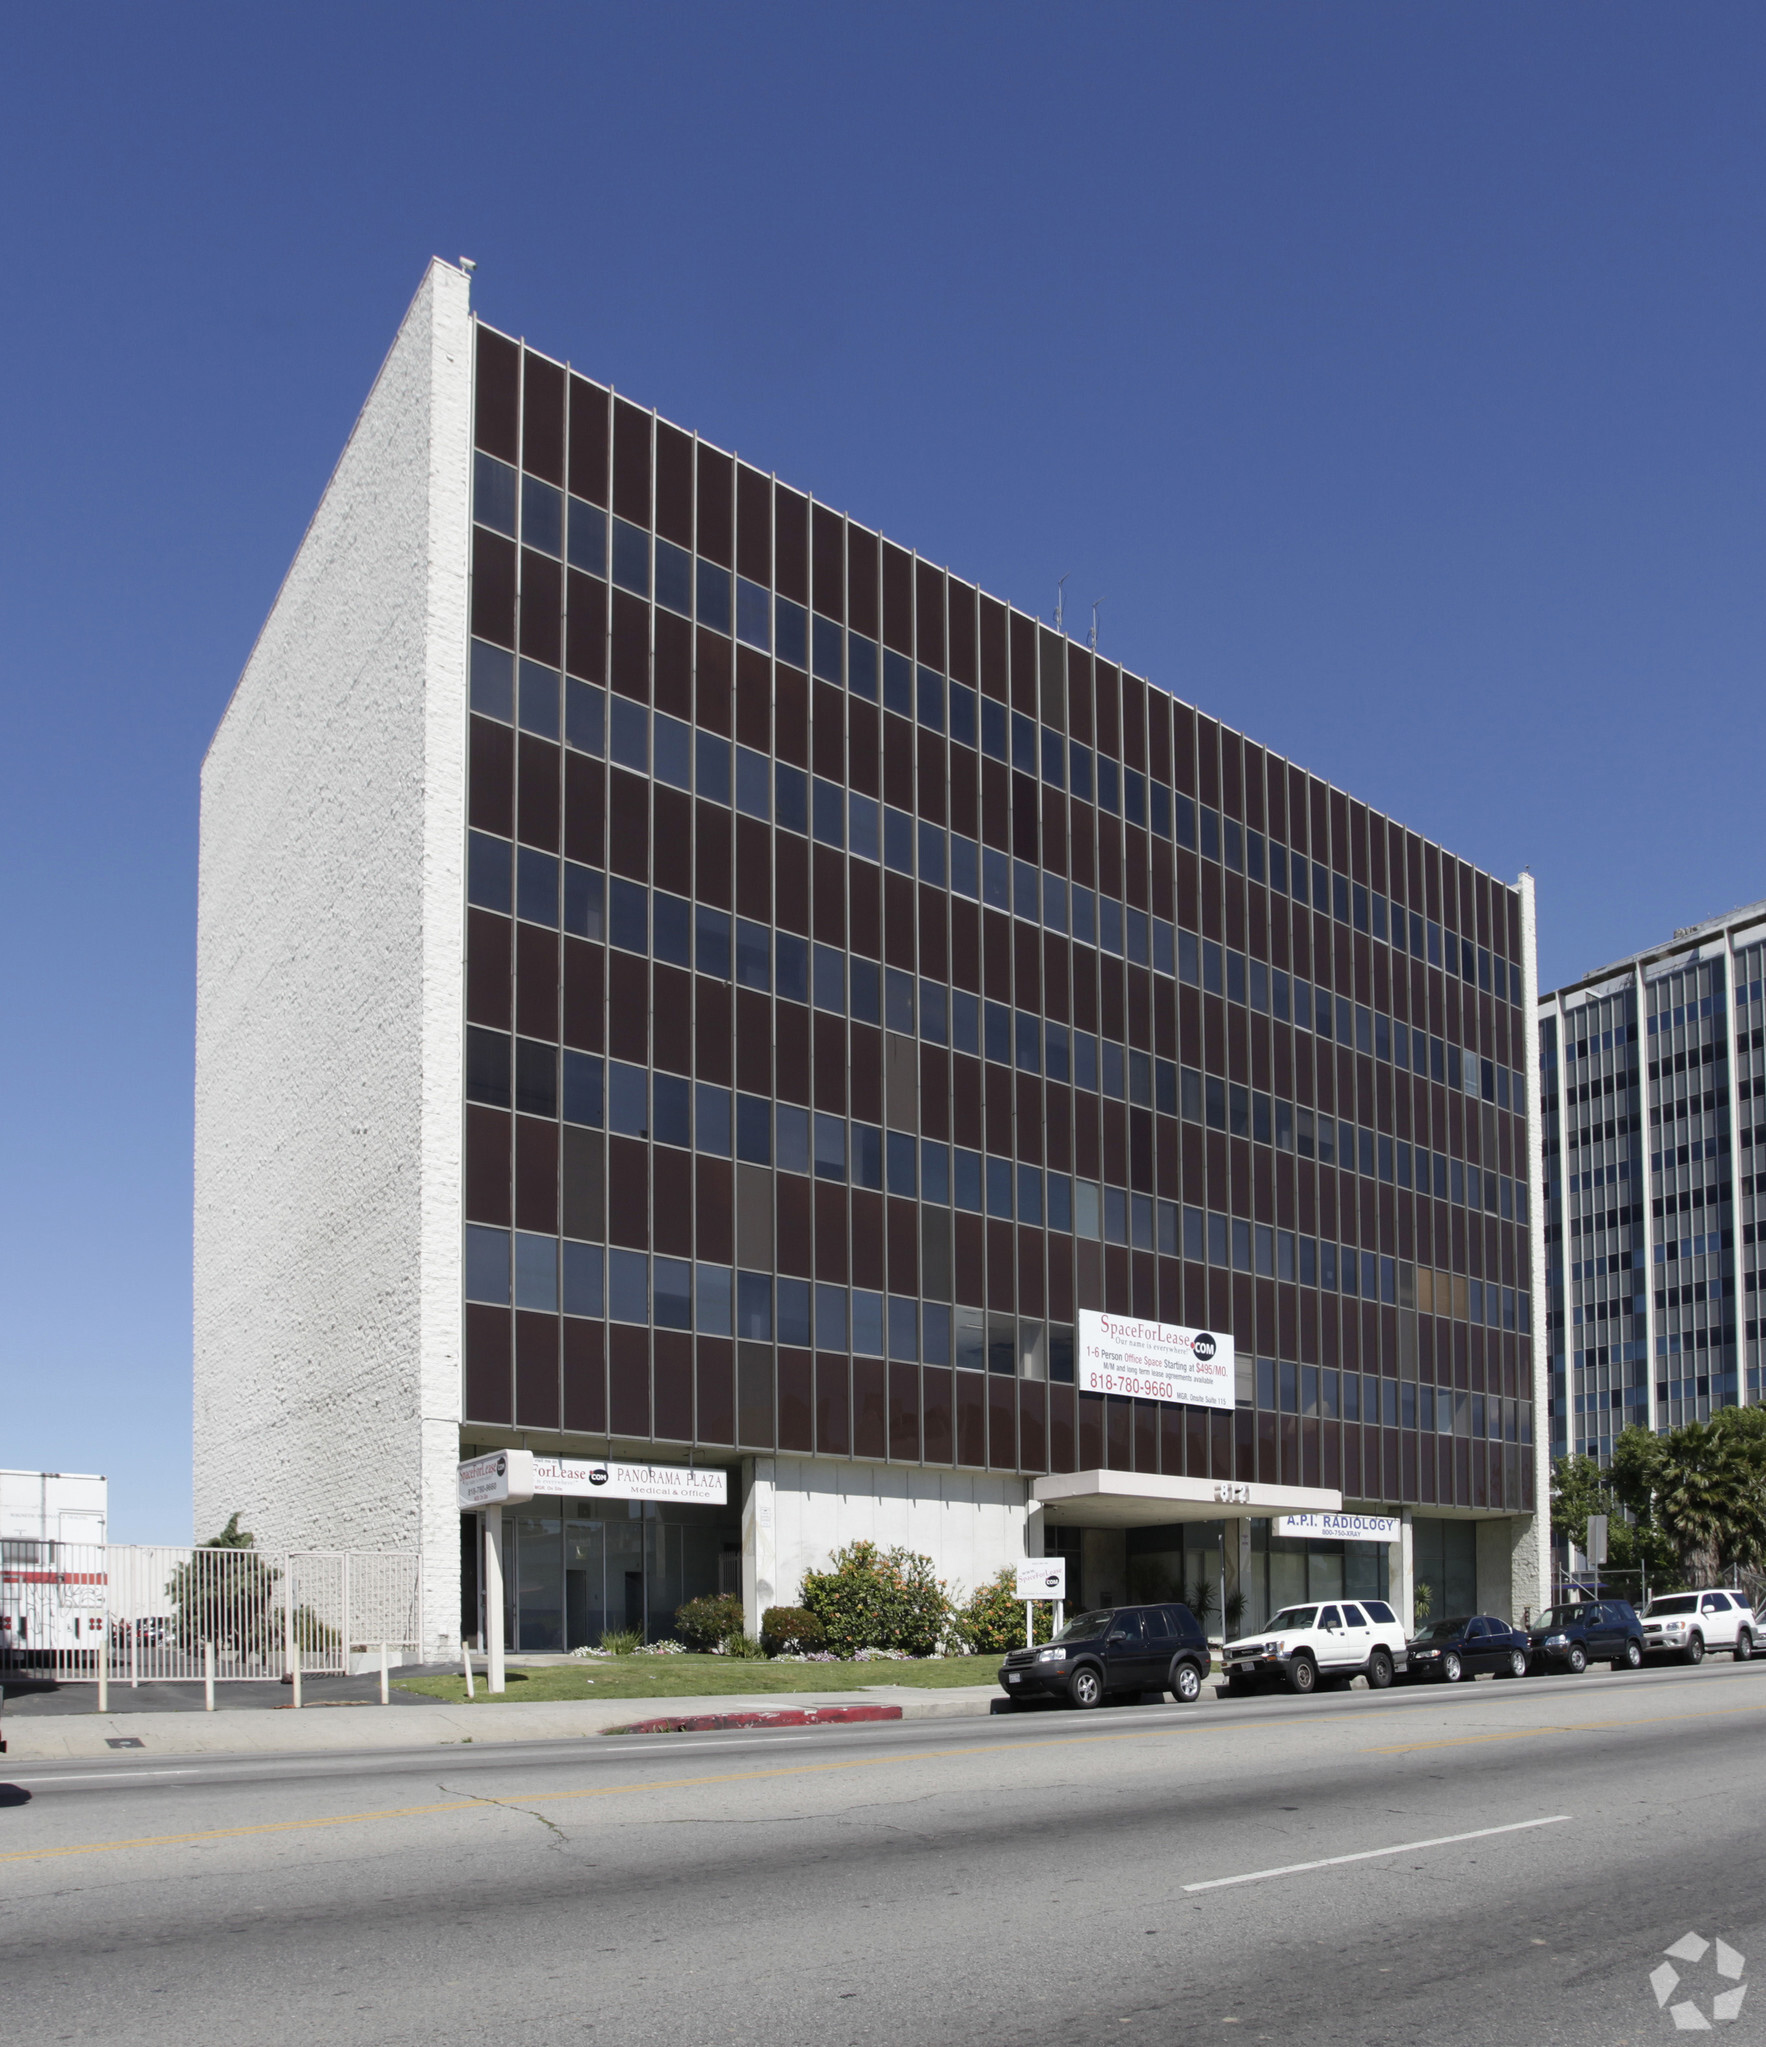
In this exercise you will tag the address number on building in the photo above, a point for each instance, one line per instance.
(1229, 1494)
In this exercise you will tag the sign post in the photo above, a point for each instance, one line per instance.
(1040, 1578)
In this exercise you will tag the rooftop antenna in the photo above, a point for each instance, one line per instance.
(1096, 601)
(1060, 603)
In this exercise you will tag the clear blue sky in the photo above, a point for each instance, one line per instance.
(1392, 373)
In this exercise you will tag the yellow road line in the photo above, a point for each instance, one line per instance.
(409, 1812)
(1400, 1748)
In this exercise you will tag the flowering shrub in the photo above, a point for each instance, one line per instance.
(703, 1623)
(809, 1656)
(585, 1650)
(745, 1648)
(882, 1599)
(789, 1628)
(660, 1649)
(869, 1655)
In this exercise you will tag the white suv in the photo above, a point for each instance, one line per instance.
(1686, 1624)
(1325, 1642)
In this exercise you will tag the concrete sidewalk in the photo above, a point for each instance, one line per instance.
(317, 1729)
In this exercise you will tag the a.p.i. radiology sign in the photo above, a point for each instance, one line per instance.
(1154, 1360)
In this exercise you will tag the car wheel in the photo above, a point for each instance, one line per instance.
(1632, 1658)
(1576, 1659)
(1695, 1649)
(1086, 1687)
(1517, 1663)
(1452, 1670)
(1186, 1683)
(1744, 1646)
(1302, 1674)
(1379, 1670)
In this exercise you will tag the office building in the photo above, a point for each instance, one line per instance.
(1654, 1144)
(686, 982)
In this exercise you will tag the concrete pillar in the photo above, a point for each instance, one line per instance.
(493, 1599)
(760, 1540)
(1401, 1572)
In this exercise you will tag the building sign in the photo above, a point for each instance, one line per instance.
(1154, 1360)
(1040, 1578)
(505, 1477)
(595, 1477)
(508, 1477)
(1339, 1527)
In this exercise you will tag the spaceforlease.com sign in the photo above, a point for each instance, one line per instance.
(1154, 1360)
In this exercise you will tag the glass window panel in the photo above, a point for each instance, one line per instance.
(901, 1149)
(962, 715)
(867, 1324)
(674, 578)
(672, 928)
(1085, 916)
(998, 1032)
(672, 1284)
(672, 1110)
(996, 879)
(930, 691)
(542, 516)
(829, 813)
(1030, 1195)
(674, 752)
(487, 1066)
(1026, 893)
(830, 1147)
(968, 1180)
(1115, 1215)
(628, 1099)
(792, 1299)
(965, 1021)
(791, 966)
(536, 1077)
(753, 783)
(934, 1171)
(932, 853)
(711, 942)
(536, 886)
(630, 734)
(754, 1129)
(904, 1333)
(489, 865)
(487, 1265)
(754, 1306)
(867, 1155)
(791, 797)
(584, 901)
(1055, 1046)
(1029, 1035)
(539, 699)
(716, 1286)
(581, 1279)
(898, 999)
(898, 841)
(493, 494)
(864, 976)
(753, 955)
(588, 537)
(1079, 759)
(754, 615)
(712, 1126)
(830, 1318)
(1060, 1193)
(582, 1089)
(792, 1129)
(965, 866)
(861, 666)
(830, 979)
(863, 826)
(631, 557)
(536, 1272)
(826, 640)
(714, 596)
(934, 999)
(628, 1286)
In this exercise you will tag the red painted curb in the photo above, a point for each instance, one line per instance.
(791, 1716)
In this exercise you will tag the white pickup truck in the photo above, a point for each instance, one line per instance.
(1329, 1641)
(1686, 1624)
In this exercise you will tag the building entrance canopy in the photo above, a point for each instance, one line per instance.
(1140, 1499)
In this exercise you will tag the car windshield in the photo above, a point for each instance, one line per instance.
(1441, 1631)
(1681, 1602)
(1294, 1617)
(1083, 1626)
(1565, 1616)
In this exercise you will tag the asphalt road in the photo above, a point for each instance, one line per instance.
(1020, 1879)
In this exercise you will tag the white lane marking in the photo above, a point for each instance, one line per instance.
(1257, 1876)
(101, 1777)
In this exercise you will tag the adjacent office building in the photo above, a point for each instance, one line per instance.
(1654, 1139)
(685, 981)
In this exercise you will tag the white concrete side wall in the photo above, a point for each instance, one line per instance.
(1530, 1562)
(797, 1511)
(329, 1002)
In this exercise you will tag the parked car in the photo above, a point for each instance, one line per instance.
(1468, 1647)
(1114, 1652)
(1323, 1642)
(1686, 1624)
(1585, 1631)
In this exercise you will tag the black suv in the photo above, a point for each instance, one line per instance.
(1120, 1652)
(1586, 1631)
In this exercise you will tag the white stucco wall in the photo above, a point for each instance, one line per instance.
(329, 999)
(797, 1511)
(1530, 1562)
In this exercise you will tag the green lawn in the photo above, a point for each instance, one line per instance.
(677, 1677)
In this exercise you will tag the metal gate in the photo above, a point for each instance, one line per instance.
(149, 1613)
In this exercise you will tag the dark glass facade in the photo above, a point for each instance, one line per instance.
(862, 979)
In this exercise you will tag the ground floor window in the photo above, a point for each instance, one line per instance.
(1285, 1572)
(574, 1570)
(1444, 1557)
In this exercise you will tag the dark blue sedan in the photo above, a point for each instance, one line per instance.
(1449, 1650)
